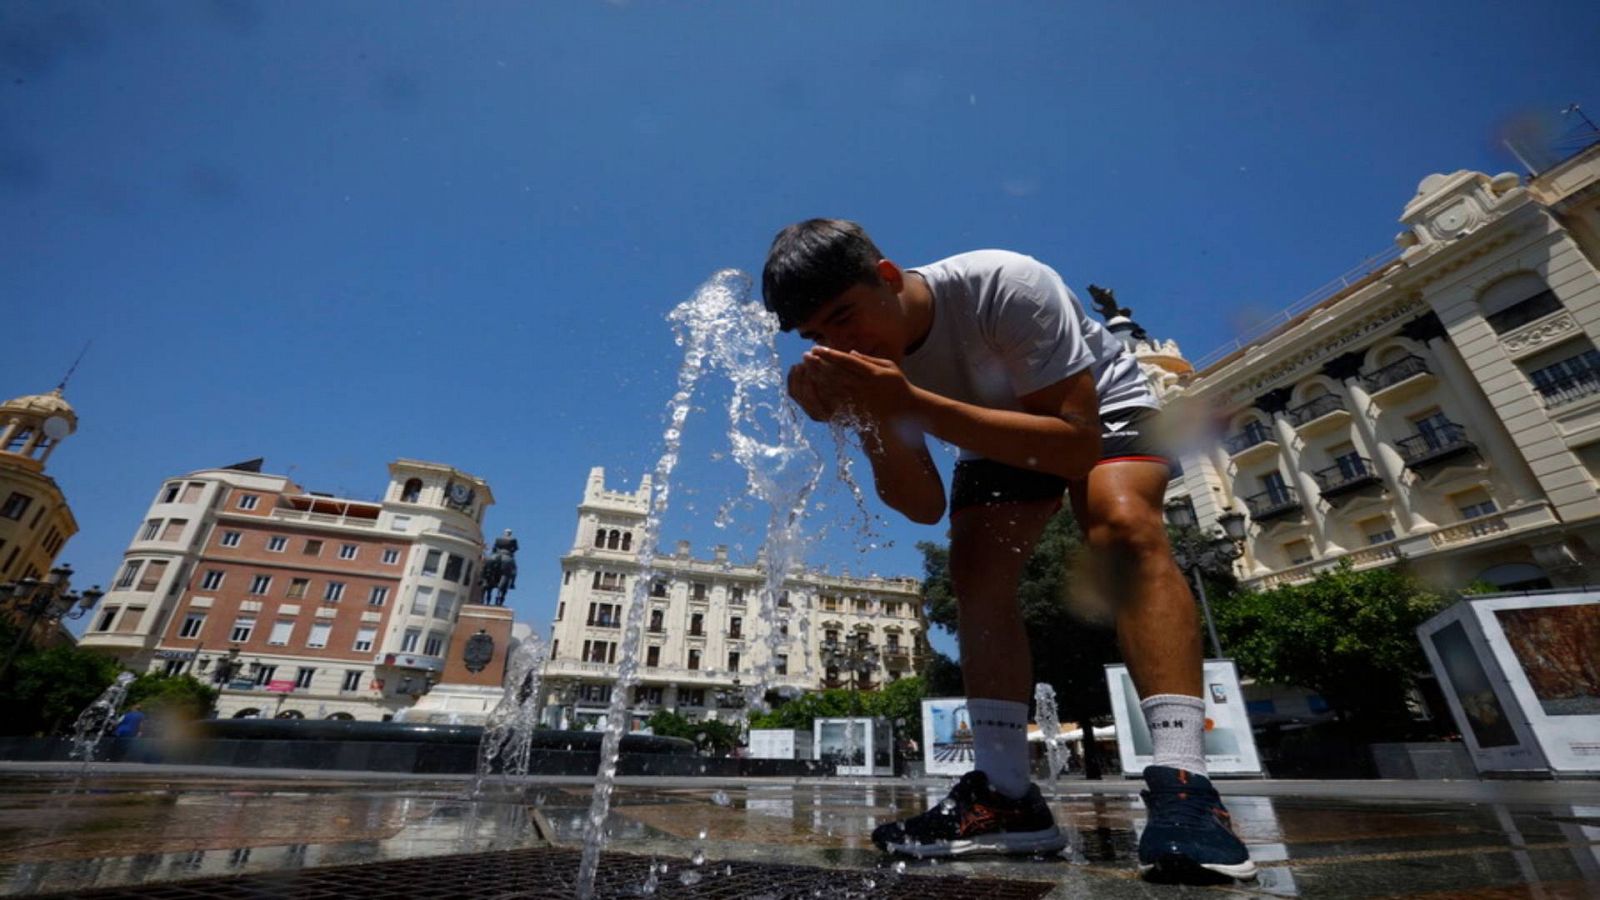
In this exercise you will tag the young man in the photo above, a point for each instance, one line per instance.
(991, 352)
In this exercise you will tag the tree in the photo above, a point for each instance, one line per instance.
(1069, 626)
(46, 689)
(1350, 636)
(709, 736)
(899, 701)
(172, 700)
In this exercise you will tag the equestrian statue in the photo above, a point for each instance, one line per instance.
(499, 572)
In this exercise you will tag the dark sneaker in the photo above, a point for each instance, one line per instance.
(1189, 837)
(975, 819)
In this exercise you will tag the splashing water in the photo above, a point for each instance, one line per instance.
(718, 328)
(508, 730)
(97, 719)
(1044, 701)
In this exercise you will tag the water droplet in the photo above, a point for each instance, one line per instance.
(689, 878)
(699, 857)
(868, 883)
(702, 834)
(900, 867)
(720, 798)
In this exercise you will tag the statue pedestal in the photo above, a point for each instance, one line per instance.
(464, 697)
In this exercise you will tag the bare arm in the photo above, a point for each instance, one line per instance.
(903, 470)
(1057, 431)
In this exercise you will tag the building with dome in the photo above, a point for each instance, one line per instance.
(35, 520)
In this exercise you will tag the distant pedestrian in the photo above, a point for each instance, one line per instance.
(131, 723)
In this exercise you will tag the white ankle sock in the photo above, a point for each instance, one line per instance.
(1000, 739)
(1177, 729)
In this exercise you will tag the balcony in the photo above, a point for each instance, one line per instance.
(604, 623)
(896, 658)
(1348, 475)
(1253, 442)
(1561, 391)
(1401, 378)
(1272, 504)
(1321, 414)
(1435, 446)
(1471, 530)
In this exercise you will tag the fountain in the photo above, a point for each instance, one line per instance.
(717, 327)
(1044, 702)
(508, 730)
(98, 718)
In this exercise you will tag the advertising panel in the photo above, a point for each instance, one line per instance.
(1230, 748)
(946, 736)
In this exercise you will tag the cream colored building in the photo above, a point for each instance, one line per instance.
(705, 638)
(294, 603)
(1442, 406)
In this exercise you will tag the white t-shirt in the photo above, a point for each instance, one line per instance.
(1006, 325)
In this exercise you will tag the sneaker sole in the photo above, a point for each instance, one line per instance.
(1008, 843)
(1182, 870)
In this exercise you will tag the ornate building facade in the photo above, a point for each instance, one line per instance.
(35, 521)
(1442, 407)
(297, 603)
(706, 639)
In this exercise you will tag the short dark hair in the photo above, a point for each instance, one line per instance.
(814, 261)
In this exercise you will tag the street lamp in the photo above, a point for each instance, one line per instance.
(1212, 553)
(857, 655)
(50, 600)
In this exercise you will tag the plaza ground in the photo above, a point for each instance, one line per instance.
(130, 825)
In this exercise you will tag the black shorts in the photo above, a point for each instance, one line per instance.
(1125, 435)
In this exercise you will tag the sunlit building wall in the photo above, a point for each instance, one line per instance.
(705, 640)
(35, 520)
(296, 603)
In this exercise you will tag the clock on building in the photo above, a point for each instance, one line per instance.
(459, 494)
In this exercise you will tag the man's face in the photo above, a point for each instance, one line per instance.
(865, 318)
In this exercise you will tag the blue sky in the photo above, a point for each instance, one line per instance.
(338, 233)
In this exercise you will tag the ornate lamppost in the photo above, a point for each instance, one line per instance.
(1216, 552)
(49, 600)
(857, 655)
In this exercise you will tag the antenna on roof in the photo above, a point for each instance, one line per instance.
(67, 377)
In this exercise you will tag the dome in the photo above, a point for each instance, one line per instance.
(42, 405)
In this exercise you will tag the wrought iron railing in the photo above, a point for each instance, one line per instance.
(1272, 502)
(1316, 409)
(1439, 441)
(1349, 472)
(1559, 391)
(1244, 440)
(1394, 373)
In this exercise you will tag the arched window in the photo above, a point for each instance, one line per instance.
(613, 540)
(1516, 301)
(627, 541)
(290, 714)
(341, 717)
(19, 439)
(248, 713)
(412, 492)
(600, 538)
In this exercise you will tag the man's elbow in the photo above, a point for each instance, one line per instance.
(927, 515)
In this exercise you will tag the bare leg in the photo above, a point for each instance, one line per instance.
(989, 545)
(1119, 507)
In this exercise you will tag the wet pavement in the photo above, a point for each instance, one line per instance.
(1336, 839)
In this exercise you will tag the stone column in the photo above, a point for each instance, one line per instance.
(1507, 461)
(1274, 403)
(10, 429)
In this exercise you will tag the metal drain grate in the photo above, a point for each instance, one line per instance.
(549, 873)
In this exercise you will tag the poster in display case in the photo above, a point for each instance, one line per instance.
(1230, 747)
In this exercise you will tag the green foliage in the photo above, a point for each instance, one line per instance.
(899, 701)
(1350, 636)
(1069, 633)
(46, 689)
(172, 698)
(941, 675)
(715, 738)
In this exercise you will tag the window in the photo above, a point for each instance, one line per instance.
(212, 580)
(697, 625)
(169, 494)
(352, 680)
(260, 584)
(174, 530)
(695, 697)
(319, 635)
(248, 501)
(733, 660)
(172, 668)
(656, 621)
(658, 587)
(445, 606)
(1474, 504)
(694, 660)
(297, 588)
(891, 609)
(242, 627)
(191, 492)
(408, 644)
(652, 657)
(106, 618)
(334, 592)
(364, 639)
(698, 591)
(422, 601)
(430, 565)
(151, 579)
(1298, 552)
(1434, 427)
(312, 548)
(1521, 313)
(391, 556)
(1277, 491)
(595, 693)
(861, 605)
(16, 505)
(276, 543)
(230, 539)
(648, 696)
(130, 571)
(735, 626)
(151, 529)
(561, 610)
(736, 596)
(780, 664)
(608, 581)
(399, 523)
(378, 597)
(892, 642)
(266, 674)
(783, 599)
(435, 645)
(1567, 379)
(412, 492)
(282, 631)
(452, 568)
(1377, 530)
(192, 623)
(348, 551)
(605, 615)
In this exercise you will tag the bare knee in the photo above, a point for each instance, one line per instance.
(1127, 532)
